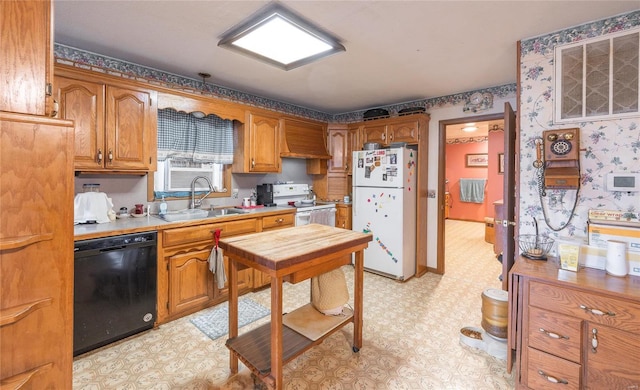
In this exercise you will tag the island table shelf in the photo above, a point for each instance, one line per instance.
(293, 255)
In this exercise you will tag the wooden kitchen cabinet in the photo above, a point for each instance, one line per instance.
(191, 284)
(116, 125)
(36, 248)
(342, 140)
(26, 56)
(343, 215)
(389, 130)
(354, 143)
(186, 284)
(257, 148)
(337, 140)
(573, 330)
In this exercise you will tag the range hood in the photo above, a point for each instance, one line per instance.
(301, 139)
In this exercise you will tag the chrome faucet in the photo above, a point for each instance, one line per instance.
(195, 203)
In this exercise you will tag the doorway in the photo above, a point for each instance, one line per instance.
(473, 155)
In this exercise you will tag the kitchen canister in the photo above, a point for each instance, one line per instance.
(246, 202)
(495, 312)
(616, 263)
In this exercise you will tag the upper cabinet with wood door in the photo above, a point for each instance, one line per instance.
(257, 148)
(337, 140)
(342, 141)
(390, 130)
(116, 125)
(26, 56)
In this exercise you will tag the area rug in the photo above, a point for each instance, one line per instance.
(214, 322)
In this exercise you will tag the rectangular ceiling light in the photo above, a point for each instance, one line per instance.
(277, 36)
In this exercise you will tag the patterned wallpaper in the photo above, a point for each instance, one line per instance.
(606, 146)
(96, 62)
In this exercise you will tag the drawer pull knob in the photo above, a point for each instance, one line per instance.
(597, 312)
(594, 340)
(553, 335)
(552, 378)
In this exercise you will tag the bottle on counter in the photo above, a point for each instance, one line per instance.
(163, 206)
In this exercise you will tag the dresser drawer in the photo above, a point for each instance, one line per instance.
(555, 333)
(545, 371)
(586, 306)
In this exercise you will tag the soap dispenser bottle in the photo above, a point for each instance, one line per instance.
(163, 206)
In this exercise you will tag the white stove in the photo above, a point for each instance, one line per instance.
(294, 195)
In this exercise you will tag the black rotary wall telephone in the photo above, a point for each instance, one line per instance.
(558, 165)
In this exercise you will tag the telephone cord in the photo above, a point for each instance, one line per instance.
(542, 193)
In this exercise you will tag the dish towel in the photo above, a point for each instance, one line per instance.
(329, 292)
(472, 190)
(216, 262)
(321, 216)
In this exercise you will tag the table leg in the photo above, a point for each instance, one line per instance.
(232, 281)
(276, 331)
(357, 300)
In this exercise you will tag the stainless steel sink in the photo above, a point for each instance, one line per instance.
(190, 214)
(223, 212)
(184, 215)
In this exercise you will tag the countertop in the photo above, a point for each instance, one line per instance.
(153, 222)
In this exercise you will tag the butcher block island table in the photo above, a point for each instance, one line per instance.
(288, 255)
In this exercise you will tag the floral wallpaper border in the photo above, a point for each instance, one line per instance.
(99, 63)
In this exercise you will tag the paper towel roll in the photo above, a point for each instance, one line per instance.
(616, 264)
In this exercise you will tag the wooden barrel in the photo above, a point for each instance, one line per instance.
(495, 312)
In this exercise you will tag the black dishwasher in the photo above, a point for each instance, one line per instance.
(114, 289)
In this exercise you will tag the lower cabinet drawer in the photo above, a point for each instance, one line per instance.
(555, 333)
(275, 221)
(585, 305)
(545, 371)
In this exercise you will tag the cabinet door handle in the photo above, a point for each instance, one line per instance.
(253, 163)
(384, 137)
(279, 220)
(594, 340)
(99, 156)
(553, 335)
(110, 155)
(391, 137)
(552, 378)
(597, 311)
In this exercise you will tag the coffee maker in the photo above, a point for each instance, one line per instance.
(265, 194)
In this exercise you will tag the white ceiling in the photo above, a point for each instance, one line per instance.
(397, 51)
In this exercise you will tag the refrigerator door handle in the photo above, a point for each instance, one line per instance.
(354, 204)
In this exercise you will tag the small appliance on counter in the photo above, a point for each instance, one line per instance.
(92, 206)
(265, 195)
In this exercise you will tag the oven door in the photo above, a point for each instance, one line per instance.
(324, 216)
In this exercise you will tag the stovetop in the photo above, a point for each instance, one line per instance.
(291, 195)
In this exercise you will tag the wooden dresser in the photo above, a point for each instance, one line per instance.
(571, 330)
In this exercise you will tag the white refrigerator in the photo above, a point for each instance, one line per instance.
(384, 204)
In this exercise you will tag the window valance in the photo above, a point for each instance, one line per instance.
(183, 136)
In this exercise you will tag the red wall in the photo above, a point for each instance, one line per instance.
(456, 168)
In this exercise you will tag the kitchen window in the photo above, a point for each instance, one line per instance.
(190, 146)
(598, 78)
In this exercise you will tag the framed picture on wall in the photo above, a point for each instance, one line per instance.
(501, 163)
(480, 160)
